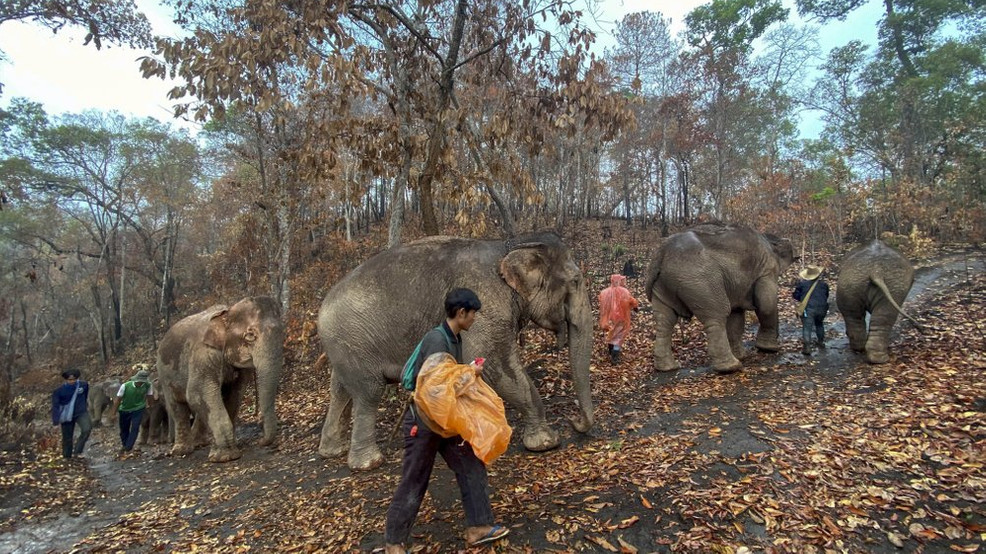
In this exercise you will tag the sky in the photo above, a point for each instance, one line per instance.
(67, 77)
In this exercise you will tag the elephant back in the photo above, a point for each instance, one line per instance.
(861, 268)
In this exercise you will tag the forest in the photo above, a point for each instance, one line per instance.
(333, 130)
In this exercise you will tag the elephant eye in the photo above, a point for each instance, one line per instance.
(250, 336)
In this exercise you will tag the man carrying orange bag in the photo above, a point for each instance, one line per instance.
(421, 444)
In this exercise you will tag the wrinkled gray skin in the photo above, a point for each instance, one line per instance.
(203, 363)
(873, 279)
(717, 272)
(101, 397)
(370, 322)
(155, 427)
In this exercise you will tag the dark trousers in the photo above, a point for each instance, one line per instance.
(68, 430)
(813, 322)
(130, 427)
(419, 459)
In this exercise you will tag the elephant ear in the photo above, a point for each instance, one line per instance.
(524, 269)
(215, 333)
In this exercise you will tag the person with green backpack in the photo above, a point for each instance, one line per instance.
(421, 444)
(130, 403)
(812, 294)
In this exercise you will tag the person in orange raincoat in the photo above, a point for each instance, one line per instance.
(615, 303)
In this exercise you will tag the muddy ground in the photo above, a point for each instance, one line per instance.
(792, 454)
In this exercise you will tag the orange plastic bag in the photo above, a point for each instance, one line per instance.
(456, 402)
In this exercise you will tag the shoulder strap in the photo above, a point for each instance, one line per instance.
(804, 301)
(448, 338)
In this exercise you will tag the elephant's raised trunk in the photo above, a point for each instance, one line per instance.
(269, 361)
(580, 351)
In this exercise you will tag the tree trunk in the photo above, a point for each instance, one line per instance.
(437, 136)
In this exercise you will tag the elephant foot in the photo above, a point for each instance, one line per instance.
(331, 449)
(266, 441)
(877, 357)
(182, 449)
(768, 345)
(582, 424)
(369, 460)
(219, 455)
(666, 365)
(732, 367)
(540, 438)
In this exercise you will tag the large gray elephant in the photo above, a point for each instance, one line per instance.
(204, 361)
(370, 321)
(873, 279)
(101, 397)
(717, 272)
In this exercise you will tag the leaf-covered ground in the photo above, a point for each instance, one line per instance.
(792, 454)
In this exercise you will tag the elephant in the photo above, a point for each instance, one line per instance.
(156, 427)
(873, 279)
(370, 321)
(203, 362)
(716, 272)
(101, 397)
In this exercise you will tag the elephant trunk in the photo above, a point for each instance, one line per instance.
(269, 362)
(580, 351)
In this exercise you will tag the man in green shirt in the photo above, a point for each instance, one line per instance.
(131, 401)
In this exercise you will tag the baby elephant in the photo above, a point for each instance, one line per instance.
(874, 280)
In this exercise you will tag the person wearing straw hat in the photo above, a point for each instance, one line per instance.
(131, 401)
(812, 294)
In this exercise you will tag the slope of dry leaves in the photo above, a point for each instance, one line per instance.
(825, 454)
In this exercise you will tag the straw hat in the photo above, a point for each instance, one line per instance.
(810, 273)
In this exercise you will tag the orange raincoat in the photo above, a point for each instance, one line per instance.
(615, 303)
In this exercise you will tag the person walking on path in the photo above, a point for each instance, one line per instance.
(421, 445)
(812, 294)
(615, 303)
(68, 409)
(130, 403)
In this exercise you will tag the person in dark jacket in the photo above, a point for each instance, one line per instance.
(421, 445)
(71, 397)
(813, 314)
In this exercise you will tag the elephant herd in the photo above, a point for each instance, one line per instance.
(370, 321)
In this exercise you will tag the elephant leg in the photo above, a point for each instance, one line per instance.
(233, 399)
(333, 442)
(856, 331)
(765, 300)
(206, 400)
(878, 339)
(364, 454)
(517, 389)
(145, 427)
(723, 360)
(734, 332)
(182, 440)
(664, 321)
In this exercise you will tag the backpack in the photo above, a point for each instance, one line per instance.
(407, 374)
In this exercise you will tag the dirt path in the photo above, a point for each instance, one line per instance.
(709, 432)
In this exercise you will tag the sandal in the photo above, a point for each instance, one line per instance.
(496, 533)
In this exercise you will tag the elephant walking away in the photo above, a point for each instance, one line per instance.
(873, 279)
(717, 272)
(203, 362)
(370, 322)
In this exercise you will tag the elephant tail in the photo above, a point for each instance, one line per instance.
(653, 272)
(878, 281)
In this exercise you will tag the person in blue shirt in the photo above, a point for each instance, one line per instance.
(813, 316)
(73, 393)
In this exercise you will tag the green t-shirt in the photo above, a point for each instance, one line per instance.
(133, 396)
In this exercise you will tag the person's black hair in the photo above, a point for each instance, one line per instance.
(461, 298)
(71, 373)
